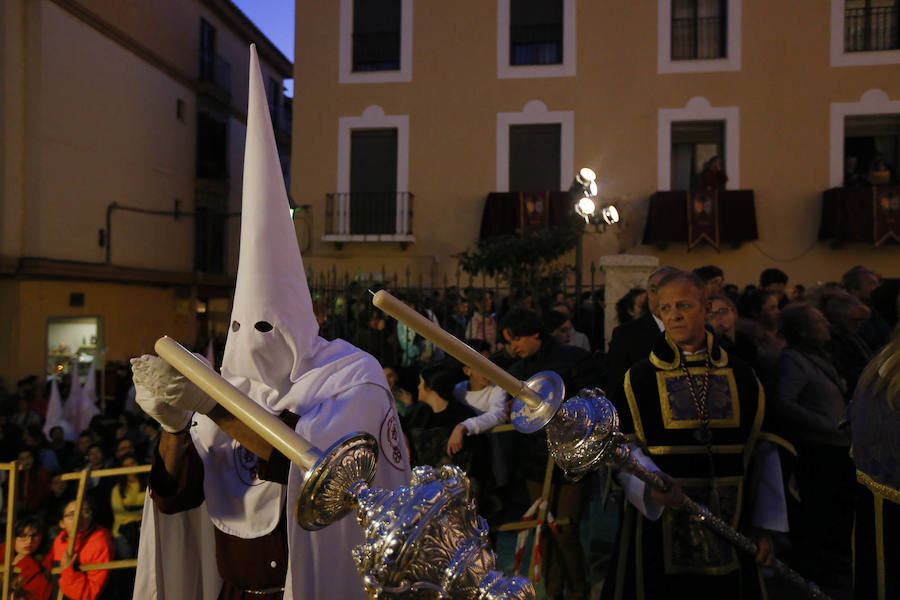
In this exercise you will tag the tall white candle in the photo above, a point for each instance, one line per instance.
(455, 348)
(272, 429)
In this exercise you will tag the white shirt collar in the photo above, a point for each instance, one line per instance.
(659, 322)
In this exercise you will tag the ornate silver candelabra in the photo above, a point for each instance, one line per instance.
(425, 540)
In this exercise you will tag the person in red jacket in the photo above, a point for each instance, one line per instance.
(93, 544)
(34, 578)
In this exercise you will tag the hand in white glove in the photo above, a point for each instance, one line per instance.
(183, 393)
(151, 375)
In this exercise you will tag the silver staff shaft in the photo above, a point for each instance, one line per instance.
(620, 458)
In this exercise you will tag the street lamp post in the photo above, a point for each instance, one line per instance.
(596, 213)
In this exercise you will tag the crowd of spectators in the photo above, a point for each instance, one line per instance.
(808, 348)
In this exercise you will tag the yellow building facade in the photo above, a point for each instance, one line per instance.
(781, 80)
(122, 141)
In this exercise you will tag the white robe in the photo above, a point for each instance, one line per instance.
(320, 562)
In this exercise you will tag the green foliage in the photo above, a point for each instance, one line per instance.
(523, 258)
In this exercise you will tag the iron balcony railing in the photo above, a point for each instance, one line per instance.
(216, 70)
(699, 38)
(373, 215)
(871, 28)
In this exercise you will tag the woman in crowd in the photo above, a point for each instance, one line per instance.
(760, 323)
(850, 352)
(34, 484)
(127, 501)
(482, 325)
(431, 420)
(809, 405)
(29, 555)
(632, 305)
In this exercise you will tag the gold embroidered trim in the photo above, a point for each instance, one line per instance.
(670, 423)
(659, 363)
(778, 441)
(734, 564)
(721, 449)
(635, 413)
(878, 488)
(757, 422)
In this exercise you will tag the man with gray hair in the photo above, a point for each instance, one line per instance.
(694, 412)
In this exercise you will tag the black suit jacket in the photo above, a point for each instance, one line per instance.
(630, 343)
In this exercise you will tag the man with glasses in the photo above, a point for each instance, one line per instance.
(723, 321)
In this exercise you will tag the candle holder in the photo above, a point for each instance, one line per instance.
(428, 538)
(549, 389)
(425, 539)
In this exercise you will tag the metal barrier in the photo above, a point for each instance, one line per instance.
(81, 477)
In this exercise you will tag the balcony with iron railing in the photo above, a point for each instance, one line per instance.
(215, 75)
(872, 28)
(369, 217)
(699, 38)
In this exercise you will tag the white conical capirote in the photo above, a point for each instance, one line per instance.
(55, 412)
(271, 288)
(72, 408)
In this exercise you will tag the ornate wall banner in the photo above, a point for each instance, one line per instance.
(885, 213)
(703, 218)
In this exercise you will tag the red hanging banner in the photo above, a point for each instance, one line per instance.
(885, 213)
(703, 218)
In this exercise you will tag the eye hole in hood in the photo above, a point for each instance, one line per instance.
(235, 325)
(263, 326)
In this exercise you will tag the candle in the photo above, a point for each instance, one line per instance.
(297, 449)
(455, 348)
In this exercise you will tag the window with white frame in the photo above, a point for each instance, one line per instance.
(533, 147)
(375, 41)
(699, 29)
(865, 141)
(865, 32)
(871, 25)
(695, 146)
(690, 136)
(698, 36)
(535, 38)
(372, 201)
(534, 151)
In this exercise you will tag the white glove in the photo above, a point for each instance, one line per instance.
(183, 393)
(150, 375)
